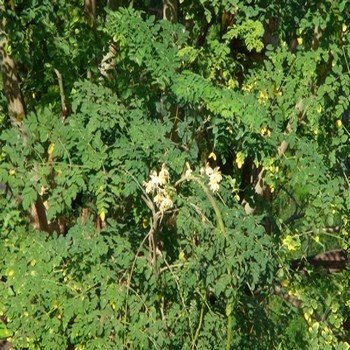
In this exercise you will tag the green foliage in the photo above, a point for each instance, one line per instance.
(148, 174)
(251, 32)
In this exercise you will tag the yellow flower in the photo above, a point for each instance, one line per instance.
(339, 123)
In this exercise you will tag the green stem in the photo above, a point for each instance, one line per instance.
(212, 201)
(198, 328)
(229, 335)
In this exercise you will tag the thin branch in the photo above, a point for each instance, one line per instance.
(198, 327)
(297, 214)
(293, 217)
(64, 108)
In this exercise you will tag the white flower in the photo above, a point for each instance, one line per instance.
(163, 201)
(155, 185)
(188, 172)
(163, 175)
(208, 169)
(149, 186)
(166, 203)
(214, 186)
(214, 177)
(158, 198)
(156, 180)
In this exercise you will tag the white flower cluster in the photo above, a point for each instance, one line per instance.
(214, 176)
(156, 186)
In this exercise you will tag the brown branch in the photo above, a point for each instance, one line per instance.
(38, 216)
(287, 297)
(332, 261)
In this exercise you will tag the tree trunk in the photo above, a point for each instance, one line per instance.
(170, 10)
(16, 110)
(10, 79)
(90, 10)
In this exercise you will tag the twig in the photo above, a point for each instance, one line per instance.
(293, 217)
(198, 327)
(297, 214)
(64, 108)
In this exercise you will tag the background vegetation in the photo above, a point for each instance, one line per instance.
(174, 174)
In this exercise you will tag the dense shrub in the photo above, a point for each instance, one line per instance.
(176, 183)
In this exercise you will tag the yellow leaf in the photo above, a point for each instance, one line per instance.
(103, 216)
(307, 316)
(144, 222)
(212, 155)
(285, 283)
(240, 157)
(291, 243)
(51, 149)
(182, 255)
